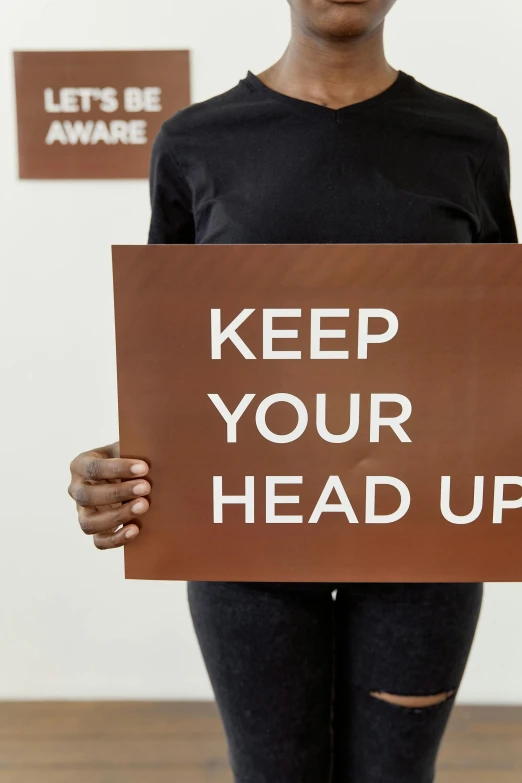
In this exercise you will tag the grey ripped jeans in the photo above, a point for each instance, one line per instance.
(303, 673)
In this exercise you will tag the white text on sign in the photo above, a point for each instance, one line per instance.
(78, 100)
(368, 334)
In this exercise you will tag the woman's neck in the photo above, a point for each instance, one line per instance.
(331, 73)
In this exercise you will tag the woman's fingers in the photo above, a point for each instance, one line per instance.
(112, 539)
(106, 520)
(92, 466)
(109, 493)
(87, 495)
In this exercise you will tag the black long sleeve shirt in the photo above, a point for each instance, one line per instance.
(410, 165)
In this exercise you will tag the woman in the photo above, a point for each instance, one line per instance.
(321, 682)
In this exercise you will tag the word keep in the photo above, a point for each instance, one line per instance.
(366, 337)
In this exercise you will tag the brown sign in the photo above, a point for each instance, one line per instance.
(94, 115)
(324, 413)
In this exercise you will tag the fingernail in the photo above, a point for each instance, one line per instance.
(138, 507)
(139, 468)
(131, 533)
(140, 489)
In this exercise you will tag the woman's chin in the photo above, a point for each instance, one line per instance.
(345, 20)
(341, 19)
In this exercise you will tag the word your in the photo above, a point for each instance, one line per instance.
(377, 420)
(317, 333)
(71, 100)
(343, 504)
(93, 132)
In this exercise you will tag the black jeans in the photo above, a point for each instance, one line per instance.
(294, 667)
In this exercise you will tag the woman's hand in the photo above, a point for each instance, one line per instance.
(109, 493)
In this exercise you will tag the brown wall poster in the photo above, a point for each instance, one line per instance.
(94, 115)
(324, 413)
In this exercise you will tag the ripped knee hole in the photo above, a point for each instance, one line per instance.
(414, 702)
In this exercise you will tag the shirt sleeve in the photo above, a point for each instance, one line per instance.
(493, 190)
(172, 222)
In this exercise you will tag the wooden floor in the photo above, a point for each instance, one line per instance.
(159, 742)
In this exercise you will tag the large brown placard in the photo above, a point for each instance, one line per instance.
(94, 115)
(421, 422)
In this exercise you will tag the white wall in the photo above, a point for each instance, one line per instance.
(70, 627)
